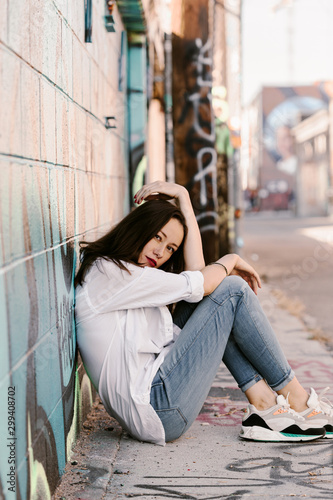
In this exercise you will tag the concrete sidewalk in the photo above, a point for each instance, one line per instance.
(210, 461)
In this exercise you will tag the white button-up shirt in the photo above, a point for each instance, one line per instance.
(124, 331)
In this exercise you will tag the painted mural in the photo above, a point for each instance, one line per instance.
(195, 154)
(40, 380)
(283, 108)
(193, 120)
(63, 179)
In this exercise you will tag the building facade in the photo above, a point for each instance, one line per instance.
(312, 149)
(270, 161)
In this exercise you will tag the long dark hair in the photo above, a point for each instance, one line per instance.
(126, 240)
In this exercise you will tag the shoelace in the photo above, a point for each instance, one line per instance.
(324, 403)
(290, 410)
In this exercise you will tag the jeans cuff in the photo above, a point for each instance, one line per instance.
(244, 387)
(288, 378)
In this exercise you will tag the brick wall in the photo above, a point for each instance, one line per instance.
(63, 178)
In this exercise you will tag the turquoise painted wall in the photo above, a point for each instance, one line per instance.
(63, 178)
(37, 229)
(137, 110)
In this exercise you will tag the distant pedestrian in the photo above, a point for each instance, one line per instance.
(154, 322)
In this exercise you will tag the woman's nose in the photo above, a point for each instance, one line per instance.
(158, 251)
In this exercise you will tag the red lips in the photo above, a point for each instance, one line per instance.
(152, 262)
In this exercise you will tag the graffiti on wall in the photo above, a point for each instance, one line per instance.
(38, 357)
(63, 179)
(195, 154)
(283, 108)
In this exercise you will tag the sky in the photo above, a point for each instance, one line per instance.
(286, 45)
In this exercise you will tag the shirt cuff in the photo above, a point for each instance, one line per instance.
(196, 280)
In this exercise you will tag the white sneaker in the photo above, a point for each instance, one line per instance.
(320, 410)
(279, 423)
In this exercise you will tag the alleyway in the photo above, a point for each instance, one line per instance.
(295, 255)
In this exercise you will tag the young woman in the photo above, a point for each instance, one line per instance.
(153, 363)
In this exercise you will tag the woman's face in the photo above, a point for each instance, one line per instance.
(160, 248)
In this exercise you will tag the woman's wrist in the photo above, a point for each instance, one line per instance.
(229, 260)
(184, 195)
(185, 204)
(219, 264)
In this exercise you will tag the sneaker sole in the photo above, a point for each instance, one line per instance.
(260, 434)
(328, 435)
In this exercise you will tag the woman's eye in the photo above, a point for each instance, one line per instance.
(171, 249)
(157, 236)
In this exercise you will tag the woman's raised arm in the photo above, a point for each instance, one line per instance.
(193, 253)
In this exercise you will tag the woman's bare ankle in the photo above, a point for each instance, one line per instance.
(265, 404)
(261, 396)
(298, 403)
(296, 394)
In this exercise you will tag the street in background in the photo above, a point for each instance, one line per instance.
(295, 256)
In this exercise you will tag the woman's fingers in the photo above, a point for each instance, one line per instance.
(255, 286)
(152, 189)
(255, 282)
(158, 196)
(158, 190)
(252, 273)
(251, 277)
(141, 194)
(257, 279)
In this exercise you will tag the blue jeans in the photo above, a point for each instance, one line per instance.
(227, 325)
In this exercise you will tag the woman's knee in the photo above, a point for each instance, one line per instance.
(231, 285)
(235, 282)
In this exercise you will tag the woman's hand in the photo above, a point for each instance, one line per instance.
(161, 190)
(215, 274)
(247, 272)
